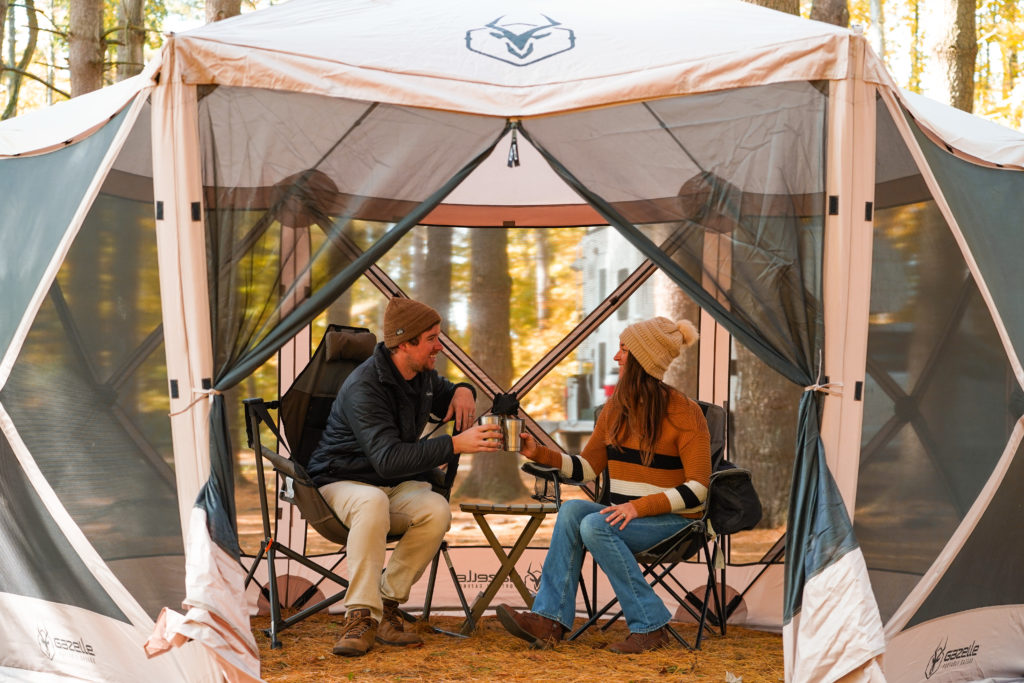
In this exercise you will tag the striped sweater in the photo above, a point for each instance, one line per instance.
(676, 480)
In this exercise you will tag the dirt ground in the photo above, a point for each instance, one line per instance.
(491, 654)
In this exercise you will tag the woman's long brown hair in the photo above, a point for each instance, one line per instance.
(642, 402)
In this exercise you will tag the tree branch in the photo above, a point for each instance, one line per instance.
(23, 72)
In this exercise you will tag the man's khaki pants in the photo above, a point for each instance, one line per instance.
(371, 513)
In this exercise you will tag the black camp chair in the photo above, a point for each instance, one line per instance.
(698, 539)
(302, 413)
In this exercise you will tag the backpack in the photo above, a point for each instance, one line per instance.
(735, 505)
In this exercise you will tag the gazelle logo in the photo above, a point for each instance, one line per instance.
(944, 658)
(520, 42)
(51, 645)
(45, 644)
(533, 576)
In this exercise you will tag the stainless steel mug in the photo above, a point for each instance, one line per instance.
(494, 420)
(512, 427)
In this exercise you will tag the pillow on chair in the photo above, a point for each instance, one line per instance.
(349, 345)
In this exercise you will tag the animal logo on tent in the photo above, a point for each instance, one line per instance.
(936, 658)
(45, 644)
(534, 577)
(519, 42)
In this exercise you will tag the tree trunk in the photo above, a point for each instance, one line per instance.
(876, 31)
(131, 39)
(3, 28)
(14, 81)
(673, 303)
(764, 432)
(433, 277)
(494, 476)
(952, 49)
(541, 260)
(222, 9)
(831, 12)
(85, 46)
(787, 6)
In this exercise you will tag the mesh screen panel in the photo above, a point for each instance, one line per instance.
(938, 392)
(88, 395)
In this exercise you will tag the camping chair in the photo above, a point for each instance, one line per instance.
(302, 413)
(698, 539)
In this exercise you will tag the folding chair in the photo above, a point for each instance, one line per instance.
(302, 413)
(696, 540)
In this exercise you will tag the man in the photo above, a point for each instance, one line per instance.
(375, 471)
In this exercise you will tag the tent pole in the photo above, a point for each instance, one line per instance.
(846, 274)
(181, 252)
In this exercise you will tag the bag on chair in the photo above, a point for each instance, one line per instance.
(735, 506)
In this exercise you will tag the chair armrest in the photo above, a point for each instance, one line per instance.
(541, 471)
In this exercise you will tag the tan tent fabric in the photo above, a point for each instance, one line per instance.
(640, 55)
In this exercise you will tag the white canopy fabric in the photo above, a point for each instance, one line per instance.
(65, 122)
(971, 134)
(466, 56)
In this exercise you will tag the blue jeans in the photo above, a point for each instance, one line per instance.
(580, 526)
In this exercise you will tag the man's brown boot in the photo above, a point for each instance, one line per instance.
(357, 633)
(540, 632)
(392, 629)
(635, 643)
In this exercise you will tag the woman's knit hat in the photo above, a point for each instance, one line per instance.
(656, 342)
(405, 319)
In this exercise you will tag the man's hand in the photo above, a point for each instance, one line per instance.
(623, 512)
(478, 439)
(462, 408)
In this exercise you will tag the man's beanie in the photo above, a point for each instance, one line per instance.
(405, 319)
(656, 342)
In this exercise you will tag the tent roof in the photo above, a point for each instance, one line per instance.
(546, 57)
(411, 52)
(65, 122)
(968, 133)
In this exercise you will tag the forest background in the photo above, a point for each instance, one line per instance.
(966, 53)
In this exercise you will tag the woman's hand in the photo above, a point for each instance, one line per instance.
(527, 445)
(623, 512)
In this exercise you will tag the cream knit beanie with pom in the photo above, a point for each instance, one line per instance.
(656, 342)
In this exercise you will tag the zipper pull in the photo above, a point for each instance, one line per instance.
(513, 150)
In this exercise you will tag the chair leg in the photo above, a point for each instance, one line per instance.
(428, 600)
(455, 580)
(275, 605)
(430, 584)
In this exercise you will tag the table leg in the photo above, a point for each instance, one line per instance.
(507, 569)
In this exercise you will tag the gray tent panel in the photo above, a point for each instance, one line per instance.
(986, 204)
(938, 386)
(36, 559)
(986, 553)
(40, 196)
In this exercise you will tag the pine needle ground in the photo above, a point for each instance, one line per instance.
(491, 654)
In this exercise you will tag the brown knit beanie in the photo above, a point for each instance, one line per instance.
(405, 319)
(656, 342)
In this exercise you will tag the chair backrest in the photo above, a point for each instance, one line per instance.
(718, 428)
(307, 403)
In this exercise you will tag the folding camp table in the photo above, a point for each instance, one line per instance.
(536, 512)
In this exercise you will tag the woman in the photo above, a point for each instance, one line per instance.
(655, 443)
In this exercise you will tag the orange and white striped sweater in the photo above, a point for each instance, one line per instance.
(676, 480)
